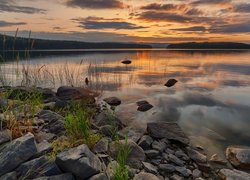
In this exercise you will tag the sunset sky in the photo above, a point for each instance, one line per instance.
(161, 21)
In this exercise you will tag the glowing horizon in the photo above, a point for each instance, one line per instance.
(162, 21)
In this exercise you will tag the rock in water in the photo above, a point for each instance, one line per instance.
(170, 131)
(233, 174)
(139, 103)
(239, 157)
(126, 61)
(144, 107)
(113, 101)
(171, 82)
(80, 161)
(19, 151)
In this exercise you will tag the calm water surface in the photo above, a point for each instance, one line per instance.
(211, 101)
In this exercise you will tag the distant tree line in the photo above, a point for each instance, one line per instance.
(209, 45)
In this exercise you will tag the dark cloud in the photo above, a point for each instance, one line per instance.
(101, 23)
(210, 2)
(96, 4)
(6, 24)
(10, 6)
(194, 28)
(231, 28)
(242, 8)
(165, 7)
(193, 11)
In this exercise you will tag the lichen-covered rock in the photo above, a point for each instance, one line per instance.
(239, 157)
(79, 161)
(17, 152)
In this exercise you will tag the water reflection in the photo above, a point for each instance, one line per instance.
(211, 100)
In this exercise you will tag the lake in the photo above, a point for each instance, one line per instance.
(211, 101)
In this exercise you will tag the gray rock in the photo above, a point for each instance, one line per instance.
(17, 152)
(55, 122)
(5, 136)
(234, 174)
(66, 176)
(9, 176)
(136, 155)
(112, 101)
(145, 142)
(176, 177)
(41, 136)
(101, 176)
(145, 176)
(43, 148)
(110, 171)
(105, 118)
(196, 156)
(239, 157)
(171, 131)
(182, 155)
(101, 146)
(159, 145)
(80, 161)
(183, 171)
(145, 107)
(196, 173)
(152, 153)
(175, 160)
(149, 167)
(38, 167)
(216, 159)
(130, 133)
(167, 168)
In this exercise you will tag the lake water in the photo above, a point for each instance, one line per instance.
(211, 100)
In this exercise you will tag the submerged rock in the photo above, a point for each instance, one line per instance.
(112, 101)
(171, 82)
(145, 107)
(239, 157)
(79, 161)
(139, 103)
(126, 61)
(17, 152)
(170, 131)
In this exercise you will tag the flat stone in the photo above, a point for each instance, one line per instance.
(239, 157)
(167, 168)
(145, 142)
(5, 136)
(136, 155)
(171, 131)
(145, 176)
(112, 101)
(17, 152)
(175, 160)
(43, 148)
(101, 176)
(65, 176)
(43, 136)
(101, 146)
(9, 176)
(38, 167)
(152, 153)
(79, 161)
(149, 167)
(234, 174)
(196, 156)
(183, 171)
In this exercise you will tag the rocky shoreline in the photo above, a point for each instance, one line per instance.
(162, 152)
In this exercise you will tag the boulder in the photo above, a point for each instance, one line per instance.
(79, 161)
(228, 174)
(136, 155)
(145, 176)
(171, 131)
(145, 107)
(112, 101)
(38, 167)
(171, 82)
(145, 142)
(17, 152)
(66, 176)
(55, 122)
(9, 176)
(126, 61)
(5, 136)
(101, 176)
(239, 157)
